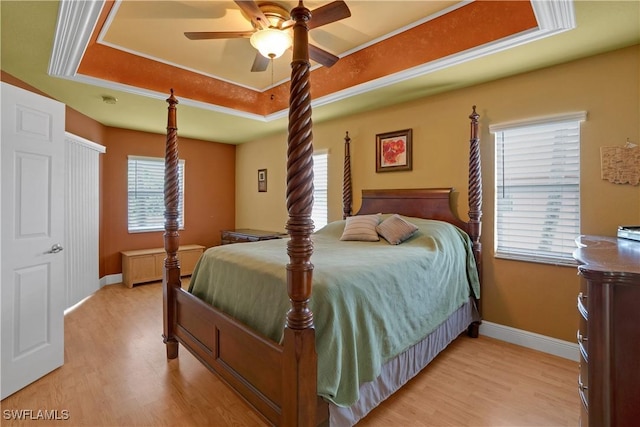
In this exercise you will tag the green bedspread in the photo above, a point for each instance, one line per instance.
(371, 300)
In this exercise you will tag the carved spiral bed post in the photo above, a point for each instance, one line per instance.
(347, 199)
(475, 203)
(300, 358)
(171, 277)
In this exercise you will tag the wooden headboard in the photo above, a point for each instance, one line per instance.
(431, 203)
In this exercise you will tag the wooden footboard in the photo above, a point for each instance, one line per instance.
(251, 364)
(229, 348)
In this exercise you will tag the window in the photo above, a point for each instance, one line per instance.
(146, 194)
(538, 189)
(320, 207)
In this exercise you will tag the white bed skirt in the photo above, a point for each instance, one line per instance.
(396, 372)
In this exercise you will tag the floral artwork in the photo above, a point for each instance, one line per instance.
(393, 151)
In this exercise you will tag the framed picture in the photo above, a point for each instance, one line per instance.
(262, 180)
(393, 151)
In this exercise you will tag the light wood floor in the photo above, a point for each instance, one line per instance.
(116, 374)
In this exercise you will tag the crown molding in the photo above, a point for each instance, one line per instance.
(76, 22)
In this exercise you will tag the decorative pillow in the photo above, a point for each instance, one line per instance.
(361, 228)
(396, 230)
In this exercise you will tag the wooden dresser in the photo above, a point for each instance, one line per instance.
(609, 331)
(248, 235)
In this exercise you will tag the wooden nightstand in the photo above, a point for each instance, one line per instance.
(242, 235)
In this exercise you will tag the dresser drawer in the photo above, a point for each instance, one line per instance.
(583, 344)
(583, 382)
(584, 416)
(583, 339)
(583, 299)
(582, 336)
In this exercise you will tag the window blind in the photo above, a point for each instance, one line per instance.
(538, 190)
(320, 190)
(146, 194)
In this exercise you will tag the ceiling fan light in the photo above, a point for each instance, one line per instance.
(271, 43)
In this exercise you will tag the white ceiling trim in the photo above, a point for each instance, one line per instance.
(554, 15)
(76, 21)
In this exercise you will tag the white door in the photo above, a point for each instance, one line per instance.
(32, 289)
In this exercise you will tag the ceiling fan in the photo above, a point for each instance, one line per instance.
(271, 35)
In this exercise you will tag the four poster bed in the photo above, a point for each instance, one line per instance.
(331, 355)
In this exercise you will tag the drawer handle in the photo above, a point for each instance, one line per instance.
(582, 306)
(581, 338)
(583, 388)
(582, 391)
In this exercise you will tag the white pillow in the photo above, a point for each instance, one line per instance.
(361, 228)
(396, 230)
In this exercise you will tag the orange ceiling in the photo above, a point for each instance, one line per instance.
(470, 26)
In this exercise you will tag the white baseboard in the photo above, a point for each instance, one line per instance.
(111, 279)
(543, 343)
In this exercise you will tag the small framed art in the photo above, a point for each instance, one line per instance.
(393, 151)
(262, 180)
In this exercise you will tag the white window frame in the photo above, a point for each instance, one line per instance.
(153, 222)
(537, 214)
(320, 213)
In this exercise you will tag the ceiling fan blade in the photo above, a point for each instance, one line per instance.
(329, 13)
(287, 24)
(208, 35)
(260, 63)
(251, 8)
(322, 56)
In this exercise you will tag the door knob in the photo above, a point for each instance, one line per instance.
(55, 249)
